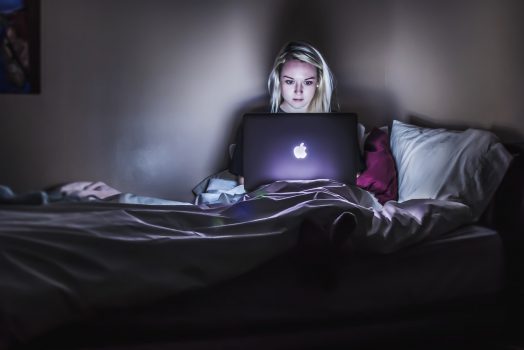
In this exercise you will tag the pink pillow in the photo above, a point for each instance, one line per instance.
(380, 176)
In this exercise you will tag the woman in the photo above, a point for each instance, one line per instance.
(299, 82)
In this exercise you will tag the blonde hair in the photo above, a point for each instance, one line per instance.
(305, 52)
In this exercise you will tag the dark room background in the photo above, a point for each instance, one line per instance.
(146, 95)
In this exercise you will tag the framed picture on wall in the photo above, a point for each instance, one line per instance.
(19, 46)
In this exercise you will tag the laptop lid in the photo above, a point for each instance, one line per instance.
(299, 146)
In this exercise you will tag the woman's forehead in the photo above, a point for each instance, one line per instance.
(297, 68)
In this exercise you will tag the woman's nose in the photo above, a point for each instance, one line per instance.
(298, 88)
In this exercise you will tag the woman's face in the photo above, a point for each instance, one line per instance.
(298, 82)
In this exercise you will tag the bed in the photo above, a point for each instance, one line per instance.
(111, 275)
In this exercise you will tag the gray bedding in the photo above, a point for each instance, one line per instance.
(61, 262)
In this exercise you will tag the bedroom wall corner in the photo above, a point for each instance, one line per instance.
(459, 64)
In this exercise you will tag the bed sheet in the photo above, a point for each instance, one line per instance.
(465, 265)
(60, 263)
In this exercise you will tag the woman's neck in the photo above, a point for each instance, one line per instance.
(286, 109)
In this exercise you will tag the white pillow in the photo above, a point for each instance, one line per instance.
(465, 166)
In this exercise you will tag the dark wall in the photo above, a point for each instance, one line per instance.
(145, 95)
(459, 64)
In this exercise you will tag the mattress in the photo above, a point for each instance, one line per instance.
(463, 265)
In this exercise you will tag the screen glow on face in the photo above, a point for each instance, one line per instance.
(297, 85)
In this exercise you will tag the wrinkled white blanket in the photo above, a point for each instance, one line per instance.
(62, 261)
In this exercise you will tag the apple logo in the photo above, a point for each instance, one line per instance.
(300, 151)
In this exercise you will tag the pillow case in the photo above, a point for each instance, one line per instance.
(380, 175)
(465, 166)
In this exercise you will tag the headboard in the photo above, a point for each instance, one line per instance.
(506, 210)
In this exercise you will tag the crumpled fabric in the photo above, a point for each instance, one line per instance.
(64, 261)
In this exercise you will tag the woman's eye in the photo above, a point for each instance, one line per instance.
(288, 82)
(309, 82)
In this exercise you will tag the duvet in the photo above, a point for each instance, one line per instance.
(62, 262)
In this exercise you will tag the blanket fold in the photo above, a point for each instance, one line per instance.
(62, 262)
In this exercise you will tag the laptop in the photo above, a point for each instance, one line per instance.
(299, 146)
